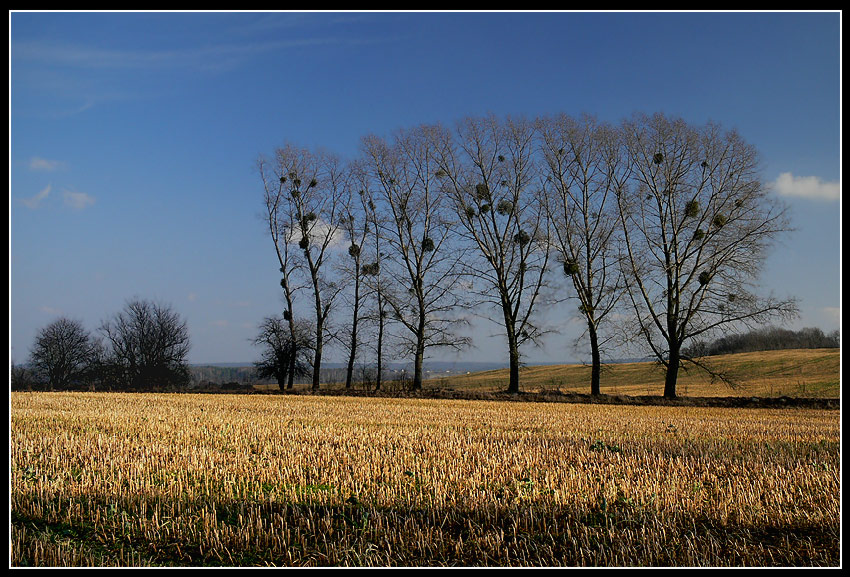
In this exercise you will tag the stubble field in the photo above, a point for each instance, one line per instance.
(102, 479)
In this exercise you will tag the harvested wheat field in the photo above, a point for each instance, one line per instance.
(102, 479)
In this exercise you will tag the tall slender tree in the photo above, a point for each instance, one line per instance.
(316, 184)
(374, 280)
(421, 259)
(488, 169)
(279, 216)
(585, 165)
(358, 228)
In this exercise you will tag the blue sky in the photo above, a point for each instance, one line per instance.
(134, 137)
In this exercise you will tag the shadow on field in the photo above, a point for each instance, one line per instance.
(355, 534)
(568, 397)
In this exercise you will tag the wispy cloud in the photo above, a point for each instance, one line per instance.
(811, 187)
(833, 314)
(77, 200)
(45, 165)
(60, 78)
(75, 78)
(210, 57)
(34, 202)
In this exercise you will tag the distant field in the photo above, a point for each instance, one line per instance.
(792, 373)
(145, 479)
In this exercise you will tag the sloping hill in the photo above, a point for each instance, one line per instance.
(813, 373)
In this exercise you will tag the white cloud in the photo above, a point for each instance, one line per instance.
(77, 200)
(320, 232)
(50, 310)
(34, 201)
(807, 187)
(192, 297)
(43, 164)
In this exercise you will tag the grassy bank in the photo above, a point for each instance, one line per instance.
(793, 373)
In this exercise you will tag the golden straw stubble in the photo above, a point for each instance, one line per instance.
(247, 480)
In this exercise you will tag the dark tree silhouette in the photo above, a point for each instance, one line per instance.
(282, 357)
(64, 354)
(147, 346)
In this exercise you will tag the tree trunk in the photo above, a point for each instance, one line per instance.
(513, 346)
(380, 348)
(672, 373)
(352, 354)
(417, 363)
(349, 372)
(291, 376)
(420, 346)
(596, 366)
(317, 360)
(513, 382)
(293, 338)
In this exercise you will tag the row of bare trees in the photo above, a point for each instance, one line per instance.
(658, 228)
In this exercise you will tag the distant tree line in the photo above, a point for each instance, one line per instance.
(767, 339)
(216, 375)
(140, 348)
(656, 228)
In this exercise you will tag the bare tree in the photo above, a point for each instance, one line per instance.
(488, 170)
(420, 259)
(283, 358)
(280, 218)
(585, 165)
(358, 227)
(148, 344)
(64, 354)
(373, 279)
(315, 184)
(697, 224)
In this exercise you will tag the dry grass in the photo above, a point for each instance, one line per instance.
(245, 480)
(792, 373)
